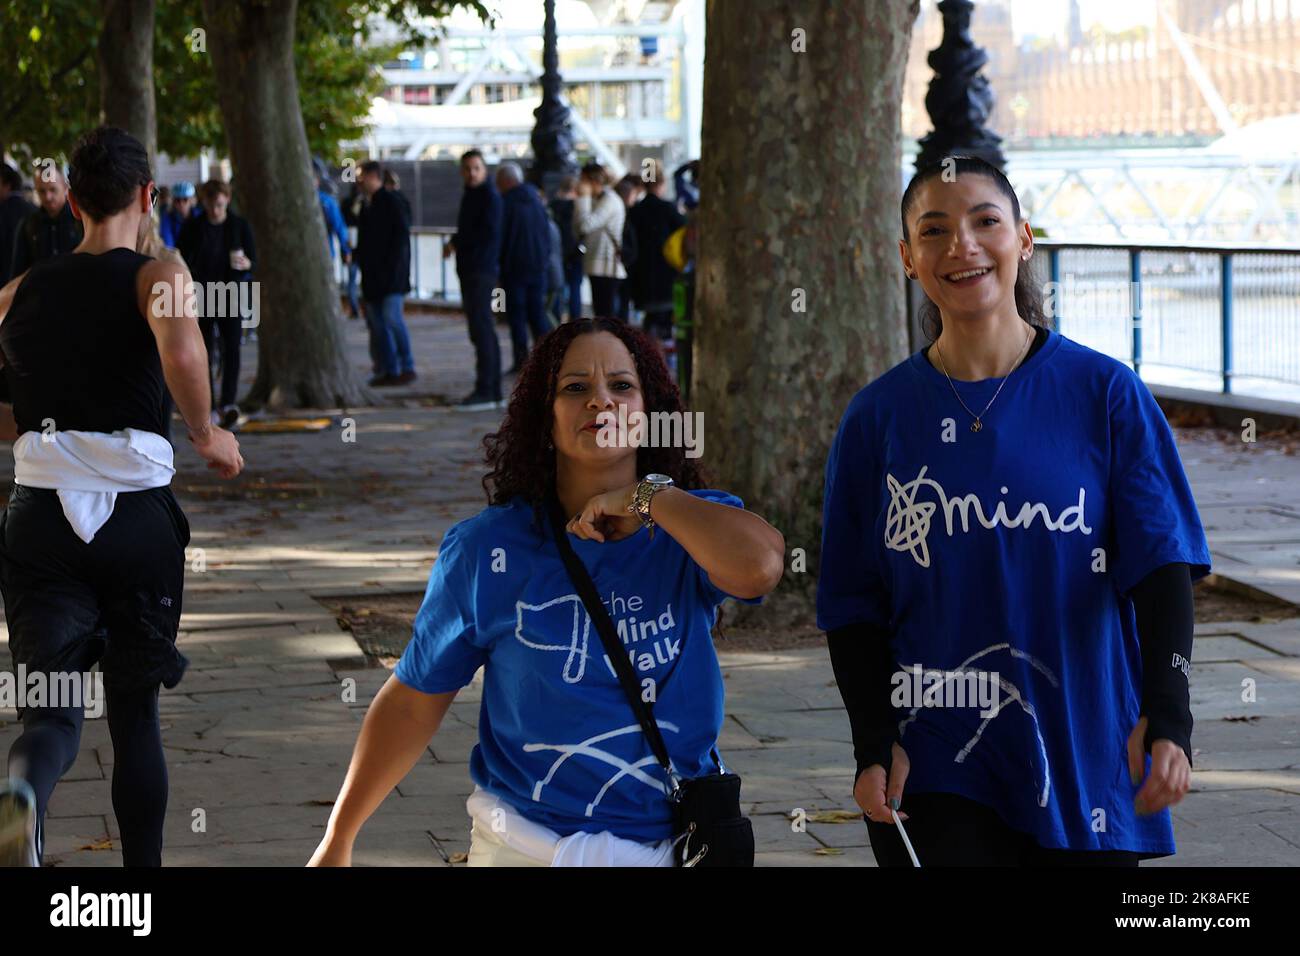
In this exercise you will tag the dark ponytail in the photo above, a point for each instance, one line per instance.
(1028, 290)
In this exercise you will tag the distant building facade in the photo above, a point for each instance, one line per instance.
(1134, 86)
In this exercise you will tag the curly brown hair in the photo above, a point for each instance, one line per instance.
(521, 457)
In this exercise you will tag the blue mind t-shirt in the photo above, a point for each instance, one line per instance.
(558, 740)
(1002, 560)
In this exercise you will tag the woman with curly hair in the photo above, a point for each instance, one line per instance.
(564, 774)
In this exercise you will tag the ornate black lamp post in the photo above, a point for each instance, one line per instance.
(552, 138)
(959, 100)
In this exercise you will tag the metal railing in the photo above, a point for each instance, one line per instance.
(1215, 318)
(1222, 318)
(433, 278)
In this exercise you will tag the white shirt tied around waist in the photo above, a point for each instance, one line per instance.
(88, 469)
(502, 824)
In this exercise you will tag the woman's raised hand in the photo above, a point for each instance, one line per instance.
(606, 514)
(874, 790)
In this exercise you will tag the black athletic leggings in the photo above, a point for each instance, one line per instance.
(948, 830)
(117, 601)
(48, 748)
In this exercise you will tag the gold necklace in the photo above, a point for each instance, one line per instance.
(977, 424)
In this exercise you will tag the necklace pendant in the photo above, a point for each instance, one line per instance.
(976, 425)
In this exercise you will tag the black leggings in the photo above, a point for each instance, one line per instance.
(115, 601)
(948, 830)
(48, 747)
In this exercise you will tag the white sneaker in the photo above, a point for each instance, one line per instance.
(17, 824)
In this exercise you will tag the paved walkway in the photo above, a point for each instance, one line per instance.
(260, 731)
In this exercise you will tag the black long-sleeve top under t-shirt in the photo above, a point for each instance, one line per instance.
(1162, 604)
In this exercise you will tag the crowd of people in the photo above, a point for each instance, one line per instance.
(516, 253)
(510, 239)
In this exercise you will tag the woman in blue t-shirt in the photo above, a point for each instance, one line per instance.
(1009, 548)
(564, 774)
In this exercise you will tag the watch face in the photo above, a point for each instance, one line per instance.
(656, 479)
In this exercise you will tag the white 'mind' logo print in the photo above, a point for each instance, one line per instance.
(907, 523)
(1014, 695)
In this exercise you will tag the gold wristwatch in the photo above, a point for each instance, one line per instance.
(647, 488)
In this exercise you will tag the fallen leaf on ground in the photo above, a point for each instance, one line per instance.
(836, 816)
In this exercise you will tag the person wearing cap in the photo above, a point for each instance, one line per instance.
(182, 208)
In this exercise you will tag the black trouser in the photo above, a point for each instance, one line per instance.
(476, 294)
(228, 328)
(604, 292)
(525, 310)
(116, 600)
(949, 830)
(623, 309)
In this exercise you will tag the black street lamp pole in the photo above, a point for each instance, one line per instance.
(959, 100)
(552, 138)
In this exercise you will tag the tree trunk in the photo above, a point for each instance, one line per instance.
(301, 361)
(126, 71)
(799, 299)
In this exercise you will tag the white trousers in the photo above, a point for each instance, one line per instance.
(500, 836)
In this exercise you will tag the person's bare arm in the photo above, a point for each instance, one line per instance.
(8, 427)
(7, 294)
(397, 728)
(742, 554)
(161, 292)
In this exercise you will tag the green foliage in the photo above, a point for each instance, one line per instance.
(53, 94)
(51, 75)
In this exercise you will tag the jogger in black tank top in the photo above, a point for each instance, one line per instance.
(88, 341)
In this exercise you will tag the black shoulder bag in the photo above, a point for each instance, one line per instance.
(708, 827)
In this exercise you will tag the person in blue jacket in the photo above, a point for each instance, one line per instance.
(525, 259)
(1009, 545)
(183, 206)
(335, 228)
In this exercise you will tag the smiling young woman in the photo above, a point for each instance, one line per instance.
(1007, 507)
(563, 771)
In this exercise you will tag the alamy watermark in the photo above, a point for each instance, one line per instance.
(22, 689)
(965, 687)
(1091, 299)
(212, 300)
(652, 430)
